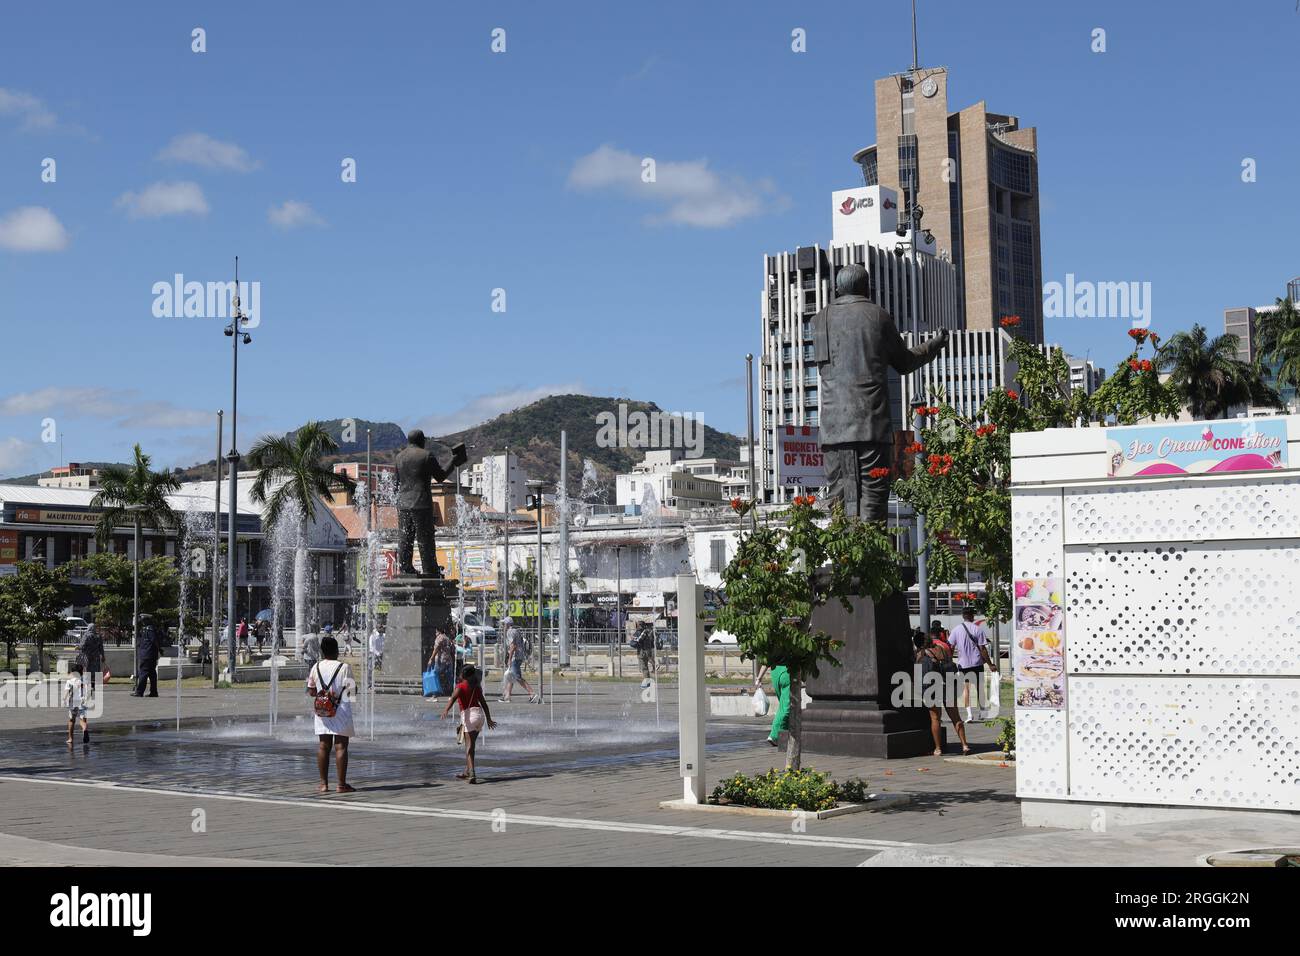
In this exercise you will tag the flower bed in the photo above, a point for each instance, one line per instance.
(788, 790)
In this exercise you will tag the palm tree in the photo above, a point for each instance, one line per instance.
(1209, 377)
(291, 470)
(1277, 339)
(134, 494)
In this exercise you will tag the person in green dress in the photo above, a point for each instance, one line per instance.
(781, 688)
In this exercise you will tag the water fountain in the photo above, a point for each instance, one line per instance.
(196, 544)
(282, 543)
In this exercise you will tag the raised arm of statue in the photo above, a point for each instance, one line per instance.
(904, 359)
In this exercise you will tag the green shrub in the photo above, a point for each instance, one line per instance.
(1006, 738)
(789, 790)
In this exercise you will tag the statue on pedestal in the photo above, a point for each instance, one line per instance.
(855, 343)
(417, 467)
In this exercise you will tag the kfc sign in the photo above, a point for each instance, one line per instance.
(799, 456)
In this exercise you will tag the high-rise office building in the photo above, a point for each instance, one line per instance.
(975, 175)
(1243, 322)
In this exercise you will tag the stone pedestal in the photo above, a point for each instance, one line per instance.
(850, 712)
(417, 607)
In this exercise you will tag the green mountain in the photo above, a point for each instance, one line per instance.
(533, 434)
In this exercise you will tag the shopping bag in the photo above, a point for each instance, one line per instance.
(432, 685)
(759, 702)
(992, 699)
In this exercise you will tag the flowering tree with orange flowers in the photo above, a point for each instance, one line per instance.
(962, 481)
(784, 568)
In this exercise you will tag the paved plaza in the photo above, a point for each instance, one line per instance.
(562, 791)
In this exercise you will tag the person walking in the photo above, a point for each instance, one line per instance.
(311, 649)
(935, 657)
(90, 655)
(516, 654)
(474, 714)
(377, 647)
(74, 696)
(645, 649)
(970, 642)
(241, 636)
(147, 651)
(332, 689)
(781, 691)
(443, 660)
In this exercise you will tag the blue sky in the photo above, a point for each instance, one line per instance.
(478, 171)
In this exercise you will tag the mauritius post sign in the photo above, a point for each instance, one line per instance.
(1249, 444)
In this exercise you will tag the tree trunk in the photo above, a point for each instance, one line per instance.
(794, 741)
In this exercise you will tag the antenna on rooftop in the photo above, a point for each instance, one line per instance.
(916, 62)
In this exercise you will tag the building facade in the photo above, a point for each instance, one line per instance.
(975, 175)
(500, 482)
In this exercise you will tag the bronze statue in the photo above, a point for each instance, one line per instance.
(417, 467)
(855, 345)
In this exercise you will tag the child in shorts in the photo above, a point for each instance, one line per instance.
(74, 695)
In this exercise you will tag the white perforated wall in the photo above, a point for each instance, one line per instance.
(1182, 637)
(1228, 608)
(1196, 741)
(1206, 509)
(1041, 753)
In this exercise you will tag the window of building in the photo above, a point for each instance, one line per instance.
(717, 556)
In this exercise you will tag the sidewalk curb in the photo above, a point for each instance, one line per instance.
(884, 801)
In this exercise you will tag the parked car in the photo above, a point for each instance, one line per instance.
(723, 637)
(475, 630)
(76, 626)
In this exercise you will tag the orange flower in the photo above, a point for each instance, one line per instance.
(1010, 320)
(1013, 394)
(914, 449)
(878, 473)
(736, 504)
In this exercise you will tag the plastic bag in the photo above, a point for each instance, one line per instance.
(432, 685)
(759, 702)
(992, 700)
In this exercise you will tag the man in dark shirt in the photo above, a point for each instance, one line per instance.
(148, 650)
(855, 344)
(417, 466)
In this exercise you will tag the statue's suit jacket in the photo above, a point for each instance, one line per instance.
(855, 343)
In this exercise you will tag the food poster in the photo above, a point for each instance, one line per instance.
(1038, 655)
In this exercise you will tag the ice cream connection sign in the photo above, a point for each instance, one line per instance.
(1197, 448)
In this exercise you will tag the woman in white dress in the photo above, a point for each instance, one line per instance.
(332, 689)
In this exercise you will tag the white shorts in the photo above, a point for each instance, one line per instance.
(472, 719)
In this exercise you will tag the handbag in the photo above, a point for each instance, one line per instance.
(432, 683)
(325, 703)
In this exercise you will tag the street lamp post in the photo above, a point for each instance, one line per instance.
(213, 648)
(235, 331)
(536, 485)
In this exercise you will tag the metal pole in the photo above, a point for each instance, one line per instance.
(232, 545)
(541, 637)
(505, 577)
(135, 601)
(922, 569)
(215, 647)
(617, 646)
(563, 570)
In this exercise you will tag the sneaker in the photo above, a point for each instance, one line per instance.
(771, 741)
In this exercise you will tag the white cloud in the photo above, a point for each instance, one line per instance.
(122, 406)
(200, 149)
(486, 407)
(690, 193)
(292, 214)
(31, 111)
(164, 199)
(16, 456)
(32, 229)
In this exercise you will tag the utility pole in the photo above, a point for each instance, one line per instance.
(215, 646)
(562, 502)
(237, 320)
